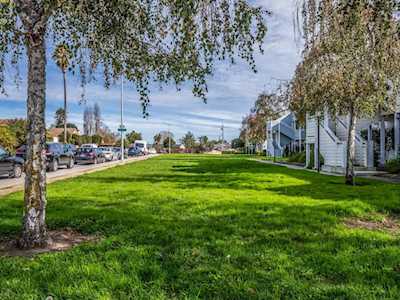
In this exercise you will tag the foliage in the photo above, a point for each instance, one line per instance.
(182, 227)
(189, 141)
(237, 143)
(59, 118)
(62, 55)
(268, 106)
(164, 41)
(132, 137)
(161, 140)
(18, 128)
(348, 66)
(297, 158)
(393, 166)
(7, 138)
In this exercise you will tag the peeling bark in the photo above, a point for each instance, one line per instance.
(34, 233)
(351, 149)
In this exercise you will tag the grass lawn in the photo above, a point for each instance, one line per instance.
(189, 227)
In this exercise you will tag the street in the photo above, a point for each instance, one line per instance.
(10, 185)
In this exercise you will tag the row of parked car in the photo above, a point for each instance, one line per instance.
(58, 154)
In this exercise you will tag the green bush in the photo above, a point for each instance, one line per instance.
(393, 166)
(297, 158)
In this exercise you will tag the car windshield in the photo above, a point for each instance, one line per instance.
(51, 147)
(140, 145)
(105, 149)
(86, 150)
(2, 152)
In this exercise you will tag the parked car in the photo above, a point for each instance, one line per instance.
(117, 152)
(11, 166)
(71, 148)
(133, 151)
(90, 156)
(152, 151)
(108, 153)
(141, 145)
(57, 155)
(89, 146)
(21, 152)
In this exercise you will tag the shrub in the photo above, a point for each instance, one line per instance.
(393, 166)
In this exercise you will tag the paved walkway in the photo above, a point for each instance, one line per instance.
(10, 185)
(381, 176)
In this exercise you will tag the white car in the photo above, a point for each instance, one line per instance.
(108, 153)
(141, 145)
(88, 146)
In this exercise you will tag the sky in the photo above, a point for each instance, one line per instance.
(232, 90)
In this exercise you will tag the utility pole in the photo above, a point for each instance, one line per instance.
(169, 140)
(222, 136)
(122, 119)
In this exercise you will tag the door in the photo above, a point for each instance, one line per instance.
(63, 154)
(6, 164)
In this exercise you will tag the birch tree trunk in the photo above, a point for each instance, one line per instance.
(34, 233)
(351, 149)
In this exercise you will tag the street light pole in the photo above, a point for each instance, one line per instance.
(122, 119)
(169, 140)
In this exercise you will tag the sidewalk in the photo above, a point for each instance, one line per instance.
(12, 185)
(380, 176)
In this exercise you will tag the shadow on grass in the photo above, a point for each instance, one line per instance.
(249, 236)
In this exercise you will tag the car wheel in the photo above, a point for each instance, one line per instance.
(71, 163)
(54, 165)
(17, 171)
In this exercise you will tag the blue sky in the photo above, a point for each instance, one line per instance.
(232, 90)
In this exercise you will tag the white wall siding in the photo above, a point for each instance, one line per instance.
(311, 130)
(332, 149)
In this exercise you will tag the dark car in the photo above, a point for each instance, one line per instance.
(58, 154)
(90, 155)
(133, 151)
(70, 147)
(11, 166)
(21, 152)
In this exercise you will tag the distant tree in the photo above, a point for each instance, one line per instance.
(237, 143)
(189, 141)
(97, 118)
(167, 143)
(18, 127)
(88, 121)
(132, 137)
(203, 143)
(7, 138)
(72, 125)
(59, 118)
(161, 140)
(62, 56)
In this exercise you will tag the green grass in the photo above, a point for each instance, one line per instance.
(209, 227)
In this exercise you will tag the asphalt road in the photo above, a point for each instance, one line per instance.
(10, 185)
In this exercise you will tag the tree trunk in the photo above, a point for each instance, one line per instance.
(65, 107)
(351, 149)
(34, 233)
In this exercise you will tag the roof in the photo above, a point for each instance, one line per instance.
(54, 132)
(277, 121)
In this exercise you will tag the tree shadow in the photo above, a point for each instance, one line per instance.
(165, 242)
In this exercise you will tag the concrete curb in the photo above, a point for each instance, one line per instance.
(12, 188)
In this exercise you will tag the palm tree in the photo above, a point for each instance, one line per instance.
(62, 56)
